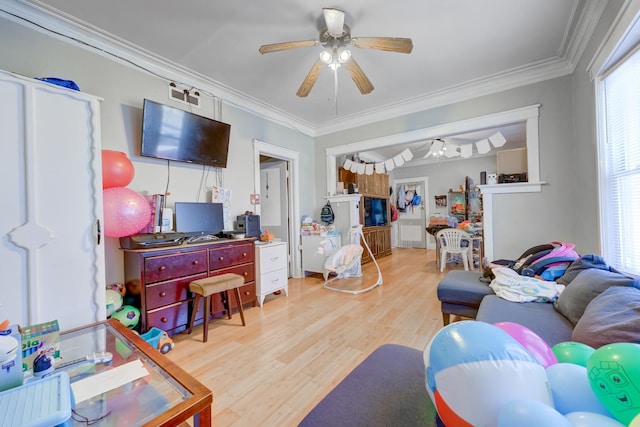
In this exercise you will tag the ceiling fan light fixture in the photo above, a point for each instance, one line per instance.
(343, 55)
(326, 56)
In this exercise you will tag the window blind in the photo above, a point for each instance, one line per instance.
(621, 207)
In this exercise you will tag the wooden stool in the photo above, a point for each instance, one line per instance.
(212, 285)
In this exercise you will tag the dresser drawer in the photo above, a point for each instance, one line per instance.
(230, 255)
(272, 258)
(169, 317)
(169, 292)
(246, 270)
(167, 267)
(272, 281)
(247, 295)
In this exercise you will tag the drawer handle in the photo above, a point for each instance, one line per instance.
(163, 294)
(196, 262)
(245, 274)
(162, 268)
(244, 254)
(221, 258)
(164, 320)
(247, 293)
(275, 280)
(275, 258)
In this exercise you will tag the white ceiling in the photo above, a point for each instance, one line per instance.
(462, 49)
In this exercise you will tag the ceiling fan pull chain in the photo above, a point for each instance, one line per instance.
(335, 80)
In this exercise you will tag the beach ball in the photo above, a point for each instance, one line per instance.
(614, 375)
(117, 169)
(573, 352)
(538, 348)
(126, 212)
(474, 368)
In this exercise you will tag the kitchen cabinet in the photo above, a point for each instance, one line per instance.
(52, 264)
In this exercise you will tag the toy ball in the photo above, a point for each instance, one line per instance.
(117, 169)
(588, 419)
(474, 368)
(530, 413)
(128, 315)
(539, 349)
(573, 352)
(125, 212)
(614, 375)
(114, 301)
(571, 390)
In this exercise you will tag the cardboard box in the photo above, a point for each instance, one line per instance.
(44, 337)
(11, 368)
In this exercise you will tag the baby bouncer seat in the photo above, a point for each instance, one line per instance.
(346, 263)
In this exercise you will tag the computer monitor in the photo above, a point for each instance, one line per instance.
(194, 218)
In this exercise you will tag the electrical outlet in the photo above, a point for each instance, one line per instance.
(254, 199)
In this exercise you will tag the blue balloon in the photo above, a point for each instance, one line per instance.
(572, 390)
(590, 419)
(530, 413)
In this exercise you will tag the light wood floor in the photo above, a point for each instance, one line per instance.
(295, 349)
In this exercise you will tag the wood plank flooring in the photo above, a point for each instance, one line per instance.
(295, 349)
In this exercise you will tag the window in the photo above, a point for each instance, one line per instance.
(619, 149)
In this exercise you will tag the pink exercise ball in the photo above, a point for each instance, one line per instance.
(117, 169)
(126, 212)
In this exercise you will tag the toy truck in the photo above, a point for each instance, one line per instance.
(158, 339)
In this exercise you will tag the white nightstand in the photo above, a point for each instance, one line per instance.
(271, 269)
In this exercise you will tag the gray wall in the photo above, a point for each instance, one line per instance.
(123, 88)
(566, 209)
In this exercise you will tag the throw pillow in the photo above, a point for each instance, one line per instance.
(587, 285)
(613, 316)
(583, 263)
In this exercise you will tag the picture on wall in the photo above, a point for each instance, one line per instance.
(441, 201)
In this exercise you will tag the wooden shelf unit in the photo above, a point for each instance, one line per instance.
(375, 185)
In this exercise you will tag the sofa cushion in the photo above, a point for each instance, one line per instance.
(613, 316)
(587, 285)
(540, 317)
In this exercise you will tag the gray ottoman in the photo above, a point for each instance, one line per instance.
(460, 293)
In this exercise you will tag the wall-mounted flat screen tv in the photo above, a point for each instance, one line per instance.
(196, 218)
(173, 134)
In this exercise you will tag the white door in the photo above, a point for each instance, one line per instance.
(410, 228)
(52, 257)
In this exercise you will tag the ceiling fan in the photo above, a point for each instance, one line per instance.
(336, 39)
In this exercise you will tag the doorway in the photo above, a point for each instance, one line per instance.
(276, 178)
(409, 231)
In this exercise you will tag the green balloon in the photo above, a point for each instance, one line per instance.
(572, 352)
(614, 375)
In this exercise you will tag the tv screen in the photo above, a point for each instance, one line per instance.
(194, 218)
(173, 134)
(375, 211)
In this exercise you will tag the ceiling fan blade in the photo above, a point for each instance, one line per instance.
(310, 80)
(358, 77)
(334, 18)
(277, 47)
(390, 44)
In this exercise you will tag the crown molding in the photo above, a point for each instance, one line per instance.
(71, 30)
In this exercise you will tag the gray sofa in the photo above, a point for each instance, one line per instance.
(597, 307)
